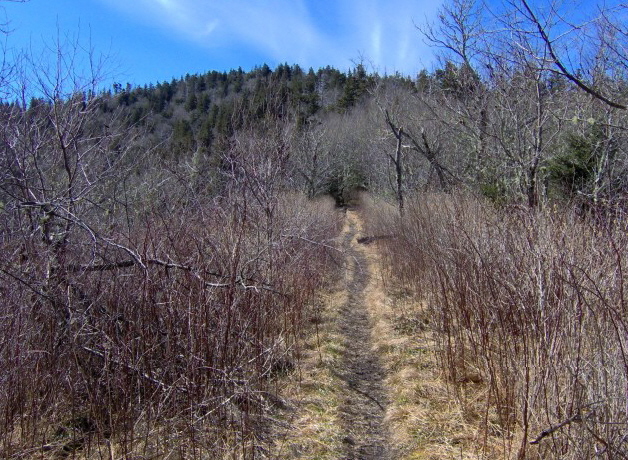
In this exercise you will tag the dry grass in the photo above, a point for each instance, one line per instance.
(525, 313)
(313, 427)
(423, 419)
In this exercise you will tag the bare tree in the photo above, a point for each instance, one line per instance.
(459, 30)
(525, 114)
(60, 157)
(397, 159)
(543, 31)
(418, 126)
(313, 157)
(459, 97)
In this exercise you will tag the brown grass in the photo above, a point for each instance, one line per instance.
(313, 426)
(526, 313)
(423, 420)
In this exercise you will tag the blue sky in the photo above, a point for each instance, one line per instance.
(156, 40)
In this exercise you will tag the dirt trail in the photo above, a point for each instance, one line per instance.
(339, 395)
(364, 403)
(370, 382)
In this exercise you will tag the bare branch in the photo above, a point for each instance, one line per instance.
(564, 71)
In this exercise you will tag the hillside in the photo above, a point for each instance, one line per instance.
(182, 272)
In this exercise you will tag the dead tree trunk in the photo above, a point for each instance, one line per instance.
(397, 161)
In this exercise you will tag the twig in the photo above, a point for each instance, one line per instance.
(574, 418)
(241, 281)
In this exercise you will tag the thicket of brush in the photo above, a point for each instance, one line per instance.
(174, 351)
(141, 317)
(530, 309)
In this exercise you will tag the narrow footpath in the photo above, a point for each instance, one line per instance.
(364, 403)
(369, 382)
(339, 393)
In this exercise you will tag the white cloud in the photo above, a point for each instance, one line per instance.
(376, 42)
(381, 31)
(170, 4)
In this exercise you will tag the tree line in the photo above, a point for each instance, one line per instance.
(139, 223)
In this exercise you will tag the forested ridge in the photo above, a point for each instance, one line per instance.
(164, 247)
(526, 136)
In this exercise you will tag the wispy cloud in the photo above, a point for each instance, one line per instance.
(380, 31)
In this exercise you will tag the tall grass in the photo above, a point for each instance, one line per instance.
(529, 306)
(169, 351)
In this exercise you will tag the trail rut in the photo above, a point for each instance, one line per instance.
(364, 403)
(340, 399)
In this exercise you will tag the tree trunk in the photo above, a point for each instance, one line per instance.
(399, 171)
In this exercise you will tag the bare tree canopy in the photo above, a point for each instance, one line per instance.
(558, 62)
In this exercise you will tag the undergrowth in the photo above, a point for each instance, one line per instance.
(529, 316)
(166, 345)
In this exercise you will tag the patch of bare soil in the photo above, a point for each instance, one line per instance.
(364, 404)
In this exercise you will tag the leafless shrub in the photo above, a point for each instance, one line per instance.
(148, 329)
(189, 342)
(529, 305)
(141, 317)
